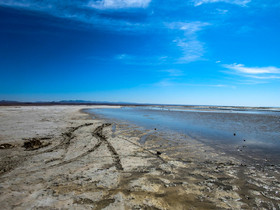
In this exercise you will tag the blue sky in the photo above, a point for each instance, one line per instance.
(204, 52)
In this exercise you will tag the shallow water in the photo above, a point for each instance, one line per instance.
(247, 133)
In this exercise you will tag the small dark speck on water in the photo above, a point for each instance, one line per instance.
(234, 134)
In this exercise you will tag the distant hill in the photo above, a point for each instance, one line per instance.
(93, 102)
(64, 102)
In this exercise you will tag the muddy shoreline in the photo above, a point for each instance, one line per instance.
(85, 163)
(241, 149)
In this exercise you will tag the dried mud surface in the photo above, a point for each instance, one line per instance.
(58, 157)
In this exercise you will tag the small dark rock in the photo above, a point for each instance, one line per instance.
(158, 153)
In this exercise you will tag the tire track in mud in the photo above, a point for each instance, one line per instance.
(11, 162)
(68, 136)
(99, 135)
(78, 157)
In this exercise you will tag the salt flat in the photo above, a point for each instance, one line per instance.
(57, 157)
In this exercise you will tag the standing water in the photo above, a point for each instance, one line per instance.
(251, 132)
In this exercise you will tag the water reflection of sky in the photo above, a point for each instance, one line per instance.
(213, 110)
(256, 130)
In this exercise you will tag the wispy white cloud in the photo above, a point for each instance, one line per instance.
(99, 4)
(253, 70)
(189, 28)
(169, 82)
(192, 48)
(119, 4)
(264, 77)
(87, 12)
(259, 73)
(237, 2)
(30, 4)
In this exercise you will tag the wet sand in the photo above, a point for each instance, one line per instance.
(57, 157)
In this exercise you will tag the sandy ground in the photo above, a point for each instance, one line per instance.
(57, 157)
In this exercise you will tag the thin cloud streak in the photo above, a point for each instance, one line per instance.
(192, 49)
(184, 34)
(119, 4)
(190, 28)
(264, 77)
(142, 60)
(82, 12)
(258, 75)
(253, 70)
(237, 2)
(171, 82)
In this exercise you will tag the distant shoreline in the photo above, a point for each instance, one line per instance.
(195, 107)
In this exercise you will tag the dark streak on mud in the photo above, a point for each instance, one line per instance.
(99, 135)
(78, 157)
(146, 150)
(103, 203)
(9, 163)
(6, 146)
(67, 137)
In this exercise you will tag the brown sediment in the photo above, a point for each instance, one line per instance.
(85, 166)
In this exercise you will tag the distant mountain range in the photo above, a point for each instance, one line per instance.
(65, 102)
